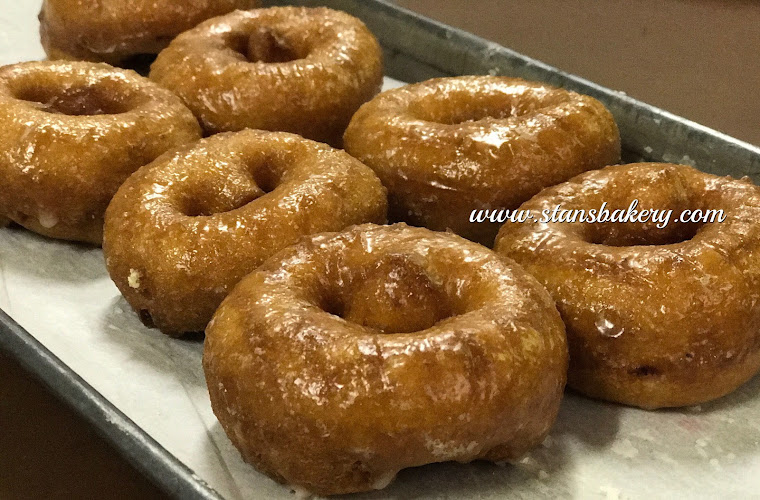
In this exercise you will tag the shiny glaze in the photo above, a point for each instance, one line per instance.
(655, 318)
(313, 386)
(182, 231)
(112, 31)
(298, 70)
(447, 146)
(71, 134)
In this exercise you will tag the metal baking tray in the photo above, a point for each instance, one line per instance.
(417, 48)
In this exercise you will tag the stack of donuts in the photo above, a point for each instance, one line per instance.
(341, 349)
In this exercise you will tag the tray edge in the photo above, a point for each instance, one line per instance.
(134, 444)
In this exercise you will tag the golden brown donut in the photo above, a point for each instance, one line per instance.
(182, 231)
(71, 133)
(448, 146)
(114, 31)
(351, 356)
(299, 70)
(655, 317)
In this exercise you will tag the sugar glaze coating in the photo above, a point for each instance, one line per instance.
(350, 356)
(655, 317)
(71, 133)
(113, 31)
(299, 70)
(447, 146)
(182, 231)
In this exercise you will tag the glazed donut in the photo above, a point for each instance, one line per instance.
(448, 146)
(655, 317)
(182, 231)
(298, 70)
(71, 133)
(114, 31)
(350, 356)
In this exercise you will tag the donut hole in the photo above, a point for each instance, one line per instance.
(661, 197)
(450, 115)
(234, 191)
(90, 100)
(266, 176)
(206, 206)
(394, 295)
(634, 234)
(333, 305)
(469, 114)
(456, 107)
(264, 45)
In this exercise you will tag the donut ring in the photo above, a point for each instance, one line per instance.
(444, 351)
(448, 146)
(655, 317)
(299, 70)
(71, 134)
(181, 232)
(114, 31)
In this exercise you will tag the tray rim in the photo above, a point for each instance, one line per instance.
(142, 451)
(649, 132)
(134, 444)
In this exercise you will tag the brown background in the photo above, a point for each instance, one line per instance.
(697, 58)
